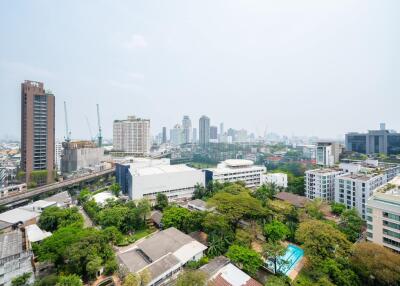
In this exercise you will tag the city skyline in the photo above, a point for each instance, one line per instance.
(316, 77)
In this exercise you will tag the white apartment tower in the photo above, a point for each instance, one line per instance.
(320, 183)
(383, 215)
(132, 136)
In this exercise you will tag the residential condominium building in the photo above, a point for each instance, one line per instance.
(187, 129)
(235, 170)
(278, 179)
(327, 153)
(145, 178)
(132, 136)
(375, 141)
(383, 215)
(204, 130)
(360, 180)
(37, 132)
(320, 183)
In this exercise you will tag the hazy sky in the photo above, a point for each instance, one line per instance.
(299, 67)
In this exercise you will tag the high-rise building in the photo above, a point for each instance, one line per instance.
(383, 215)
(187, 129)
(320, 183)
(37, 132)
(221, 128)
(327, 153)
(132, 136)
(59, 149)
(213, 133)
(164, 135)
(194, 137)
(375, 141)
(204, 130)
(177, 135)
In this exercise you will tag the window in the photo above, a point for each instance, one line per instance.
(369, 218)
(369, 210)
(369, 234)
(391, 233)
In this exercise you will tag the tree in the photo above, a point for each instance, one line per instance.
(215, 223)
(137, 279)
(53, 218)
(265, 193)
(275, 231)
(22, 280)
(375, 264)
(236, 204)
(337, 208)
(49, 280)
(175, 217)
(199, 191)
(69, 280)
(277, 281)
(273, 250)
(192, 278)
(322, 240)
(84, 195)
(161, 201)
(243, 238)
(144, 208)
(115, 189)
(351, 224)
(245, 258)
(218, 244)
(314, 209)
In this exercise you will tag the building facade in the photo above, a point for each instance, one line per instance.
(383, 215)
(177, 136)
(132, 136)
(214, 134)
(146, 178)
(187, 129)
(327, 153)
(237, 170)
(278, 179)
(79, 155)
(37, 131)
(204, 130)
(375, 141)
(164, 135)
(320, 183)
(59, 151)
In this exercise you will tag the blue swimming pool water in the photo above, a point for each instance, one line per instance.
(288, 261)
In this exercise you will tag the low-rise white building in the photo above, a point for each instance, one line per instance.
(320, 183)
(383, 215)
(235, 170)
(146, 178)
(278, 179)
(163, 255)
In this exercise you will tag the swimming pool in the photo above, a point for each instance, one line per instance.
(288, 261)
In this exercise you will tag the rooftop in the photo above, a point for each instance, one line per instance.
(60, 198)
(35, 234)
(198, 203)
(11, 243)
(324, 171)
(360, 176)
(101, 198)
(161, 169)
(238, 163)
(18, 215)
(296, 200)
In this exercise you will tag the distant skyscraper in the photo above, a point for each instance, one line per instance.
(221, 128)
(177, 135)
(37, 131)
(164, 135)
(194, 140)
(204, 130)
(213, 132)
(187, 129)
(132, 136)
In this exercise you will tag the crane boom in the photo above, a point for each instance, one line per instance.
(67, 131)
(90, 129)
(99, 136)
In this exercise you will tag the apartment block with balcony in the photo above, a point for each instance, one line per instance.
(383, 215)
(320, 183)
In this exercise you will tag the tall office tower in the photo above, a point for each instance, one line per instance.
(327, 153)
(177, 135)
(221, 128)
(132, 136)
(37, 132)
(375, 141)
(187, 129)
(194, 137)
(204, 130)
(164, 135)
(214, 134)
(59, 150)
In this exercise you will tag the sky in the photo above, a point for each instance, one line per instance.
(314, 68)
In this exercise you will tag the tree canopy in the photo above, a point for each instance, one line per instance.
(245, 258)
(52, 218)
(192, 278)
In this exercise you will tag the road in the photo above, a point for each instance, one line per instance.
(52, 187)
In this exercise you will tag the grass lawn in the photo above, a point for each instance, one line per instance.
(141, 233)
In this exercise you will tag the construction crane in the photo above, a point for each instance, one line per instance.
(67, 131)
(90, 129)
(99, 136)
